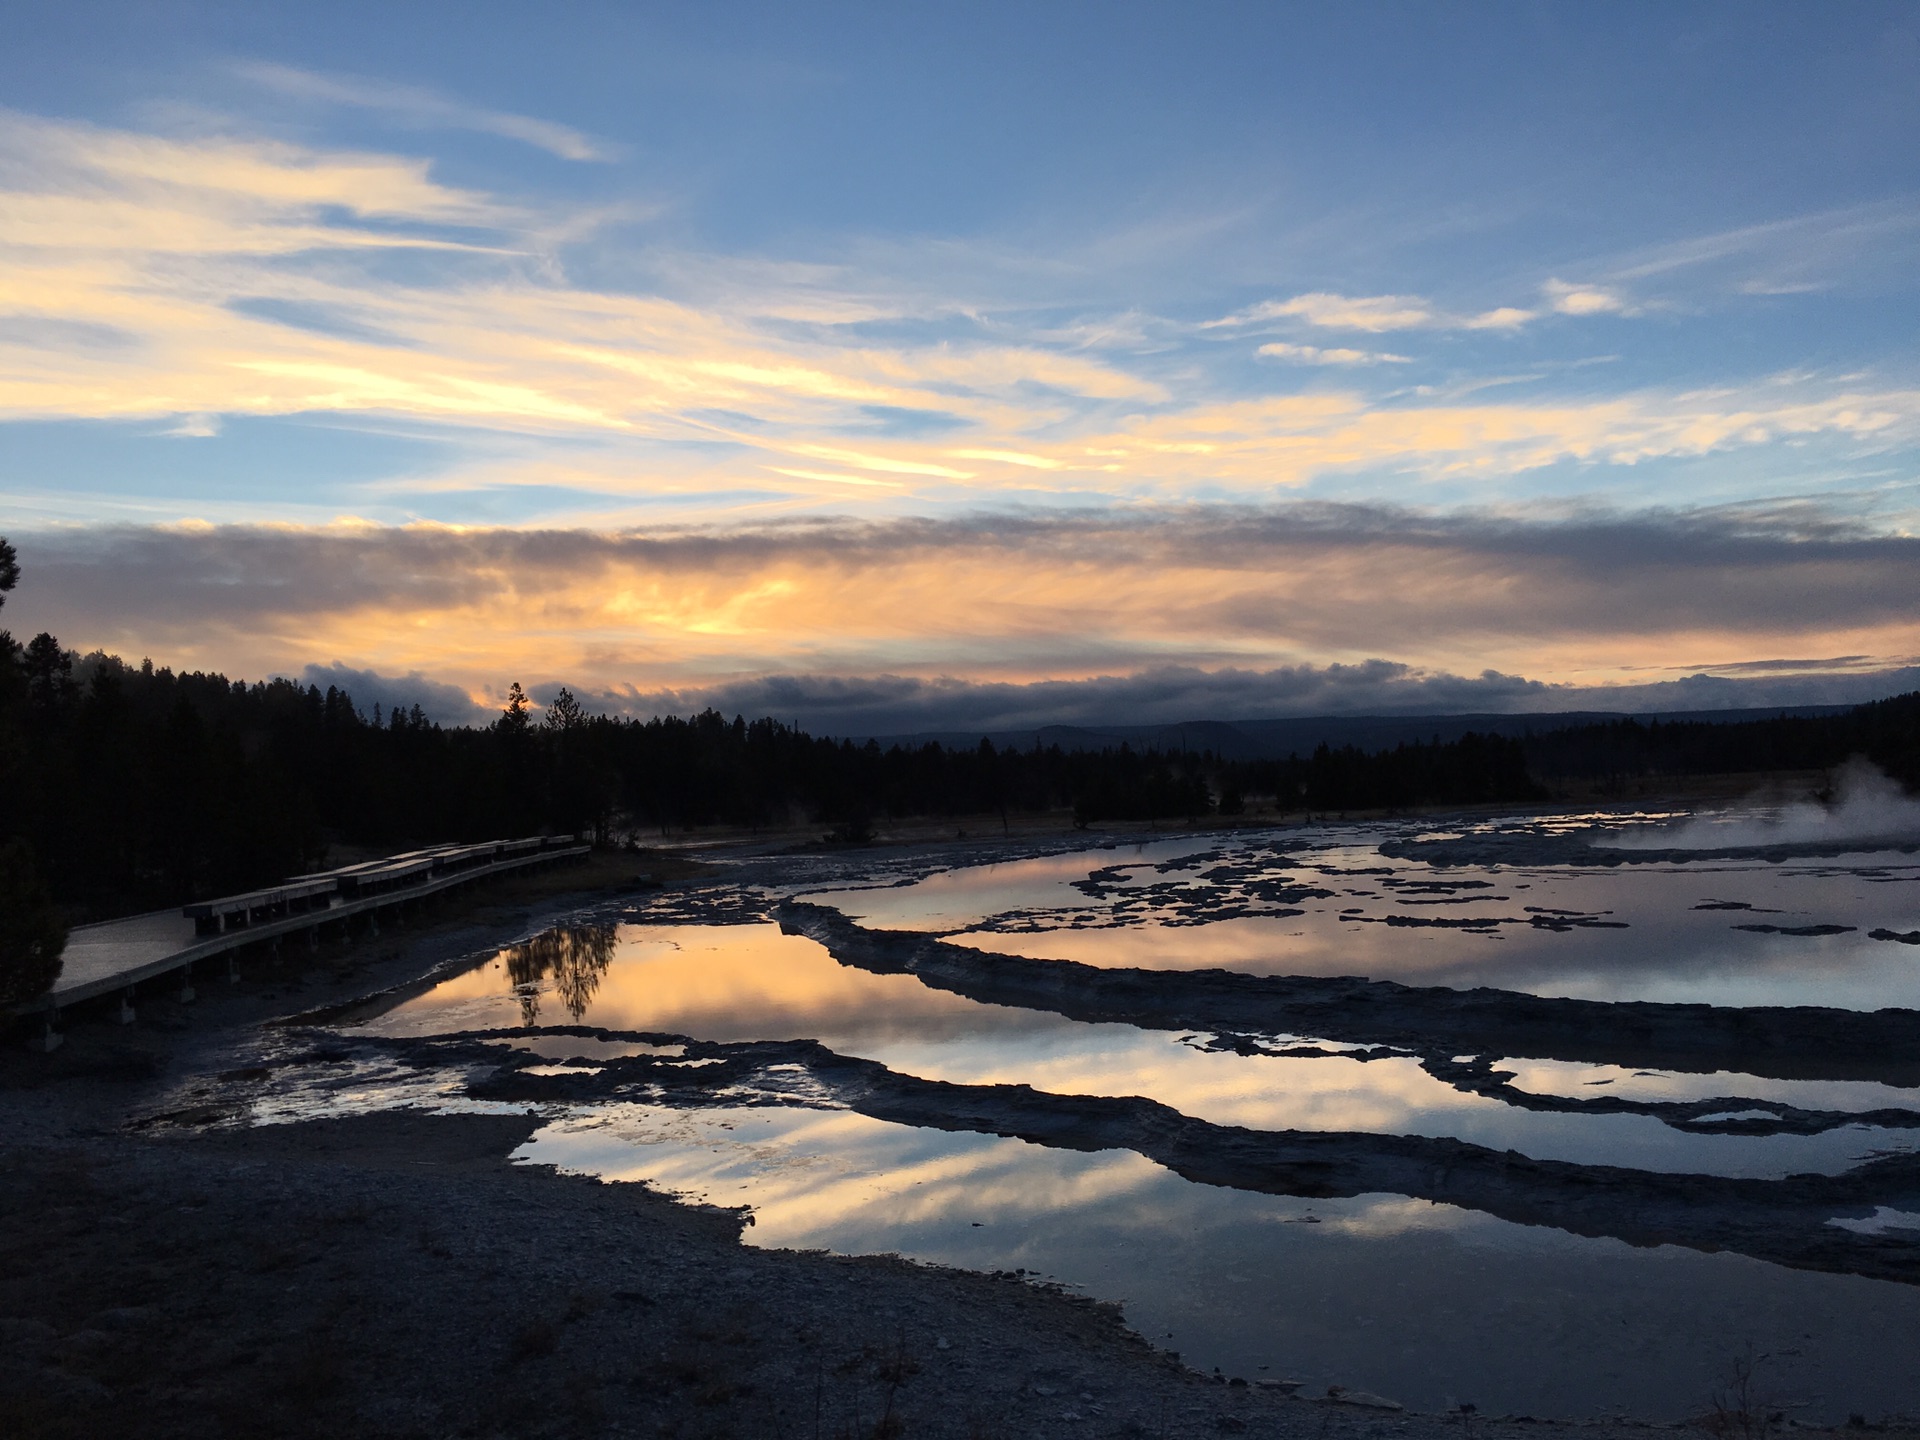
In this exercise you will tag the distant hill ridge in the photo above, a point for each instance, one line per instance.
(1300, 735)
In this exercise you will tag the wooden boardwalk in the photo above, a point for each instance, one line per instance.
(118, 955)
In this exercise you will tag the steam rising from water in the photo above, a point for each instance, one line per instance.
(1866, 806)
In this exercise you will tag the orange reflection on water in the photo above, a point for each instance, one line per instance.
(813, 1175)
(728, 983)
(720, 983)
(752, 982)
(1325, 944)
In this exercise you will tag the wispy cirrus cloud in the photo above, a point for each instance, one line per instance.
(1796, 253)
(1315, 355)
(1566, 298)
(238, 277)
(101, 189)
(1371, 314)
(1291, 439)
(414, 105)
(1850, 248)
(1379, 314)
(1793, 255)
(198, 251)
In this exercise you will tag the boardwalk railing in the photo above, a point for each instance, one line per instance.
(118, 955)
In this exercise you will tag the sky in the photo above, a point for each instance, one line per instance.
(892, 368)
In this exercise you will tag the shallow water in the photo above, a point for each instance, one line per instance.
(1667, 933)
(1547, 1311)
(751, 982)
(1430, 1304)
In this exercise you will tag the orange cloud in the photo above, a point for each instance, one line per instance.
(1006, 598)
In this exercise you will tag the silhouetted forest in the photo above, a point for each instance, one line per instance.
(1885, 731)
(137, 786)
(127, 787)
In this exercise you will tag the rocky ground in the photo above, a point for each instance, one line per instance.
(164, 1271)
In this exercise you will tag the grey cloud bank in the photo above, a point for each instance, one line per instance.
(904, 705)
(900, 705)
(1374, 566)
(448, 704)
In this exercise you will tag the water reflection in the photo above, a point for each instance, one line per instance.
(718, 982)
(1427, 1303)
(1294, 904)
(568, 961)
(730, 983)
(1430, 1302)
(954, 899)
(1577, 1081)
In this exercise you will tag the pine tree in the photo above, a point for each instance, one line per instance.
(565, 712)
(514, 719)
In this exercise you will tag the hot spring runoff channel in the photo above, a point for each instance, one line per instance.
(1552, 1118)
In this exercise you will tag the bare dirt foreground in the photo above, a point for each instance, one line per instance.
(164, 1272)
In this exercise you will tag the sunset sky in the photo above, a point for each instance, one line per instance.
(903, 367)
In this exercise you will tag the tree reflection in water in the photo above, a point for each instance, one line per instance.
(575, 956)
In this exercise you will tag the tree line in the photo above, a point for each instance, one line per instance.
(1886, 732)
(135, 786)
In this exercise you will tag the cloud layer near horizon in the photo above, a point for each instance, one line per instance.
(898, 705)
(905, 705)
(1252, 603)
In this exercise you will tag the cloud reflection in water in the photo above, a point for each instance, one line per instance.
(753, 982)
